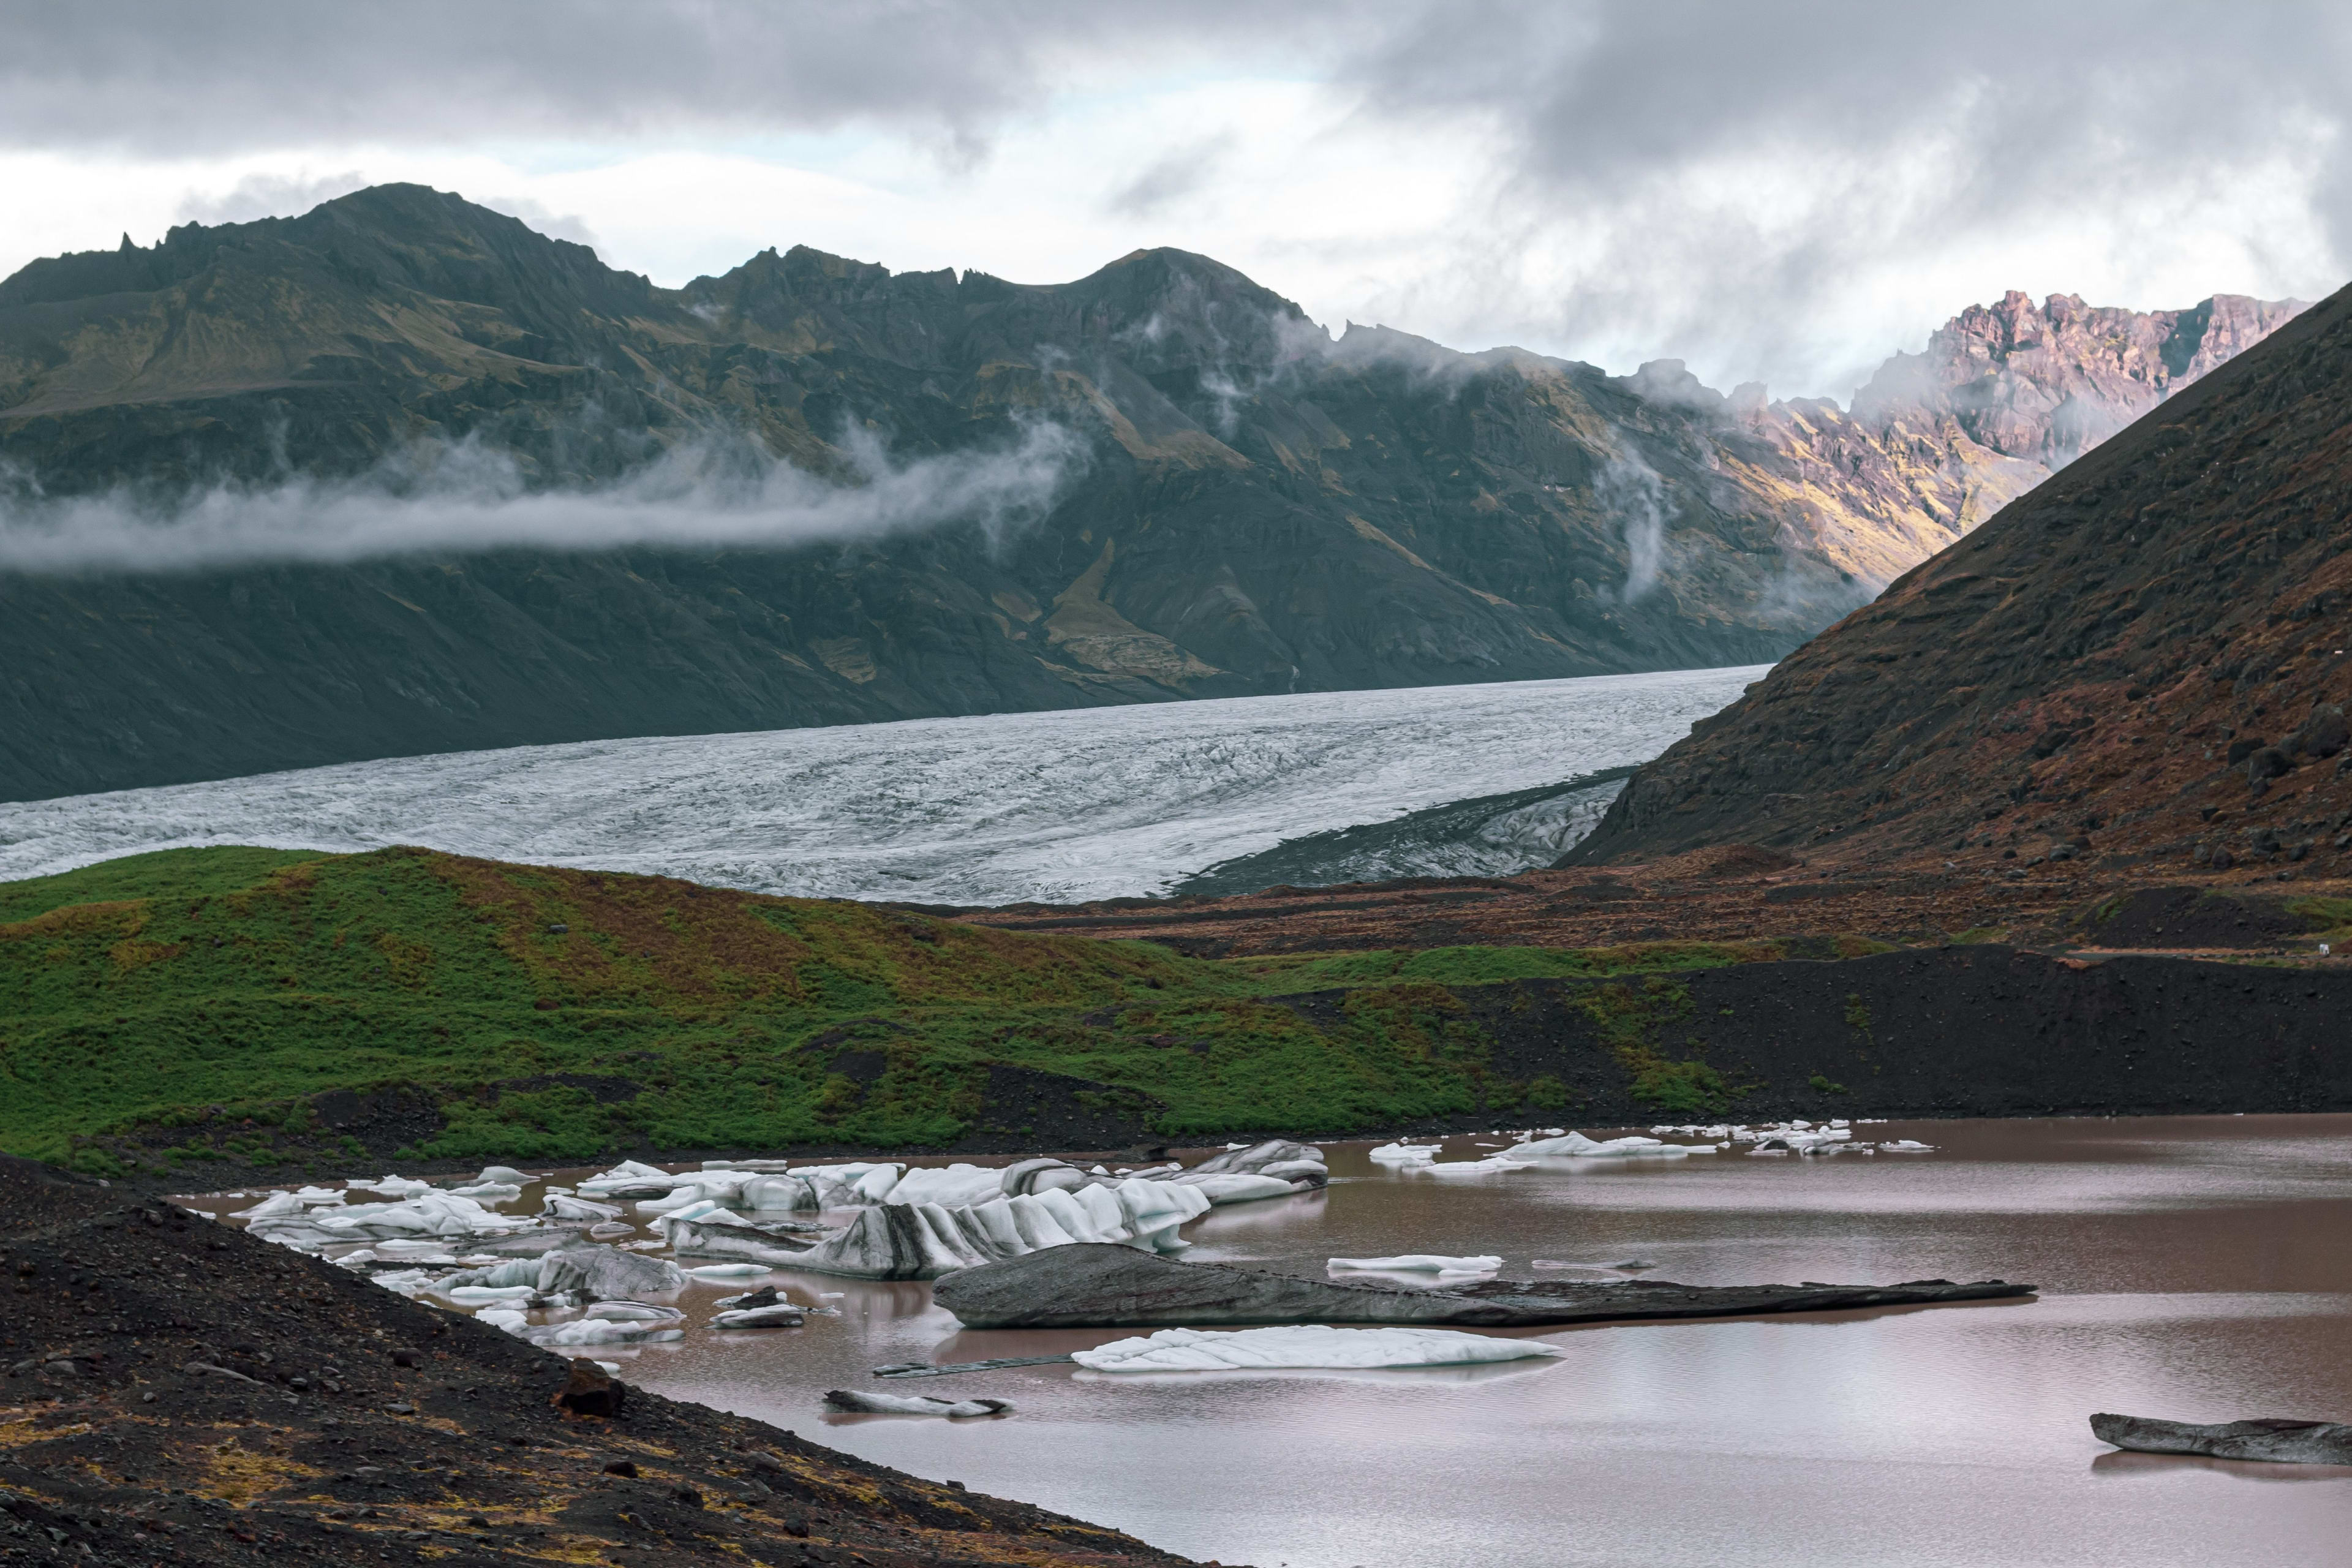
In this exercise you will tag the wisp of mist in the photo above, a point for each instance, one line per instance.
(701, 494)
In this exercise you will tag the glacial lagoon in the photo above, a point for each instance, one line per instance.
(2193, 1268)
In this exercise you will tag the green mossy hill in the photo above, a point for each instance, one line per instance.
(272, 1006)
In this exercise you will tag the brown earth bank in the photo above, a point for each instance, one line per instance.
(178, 1391)
(2285, 898)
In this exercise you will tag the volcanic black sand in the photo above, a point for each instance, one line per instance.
(336, 1422)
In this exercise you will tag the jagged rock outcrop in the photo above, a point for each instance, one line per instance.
(1246, 506)
(2002, 396)
(2144, 657)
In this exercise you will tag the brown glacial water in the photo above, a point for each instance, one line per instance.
(2190, 1268)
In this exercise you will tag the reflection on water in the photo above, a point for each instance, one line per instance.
(2194, 1268)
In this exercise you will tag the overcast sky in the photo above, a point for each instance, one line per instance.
(1781, 192)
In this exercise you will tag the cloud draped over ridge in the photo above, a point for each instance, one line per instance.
(1770, 191)
(469, 498)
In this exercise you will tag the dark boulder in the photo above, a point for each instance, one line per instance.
(591, 1391)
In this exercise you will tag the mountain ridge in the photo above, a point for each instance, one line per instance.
(1255, 508)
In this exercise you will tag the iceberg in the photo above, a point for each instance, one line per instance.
(1576, 1146)
(1303, 1346)
(858, 1402)
(1418, 1263)
(923, 1241)
(1403, 1153)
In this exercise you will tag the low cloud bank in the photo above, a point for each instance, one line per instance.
(469, 499)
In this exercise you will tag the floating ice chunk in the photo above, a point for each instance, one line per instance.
(602, 1331)
(561, 1206)
(1241, 1188)
(746, 1164)
(778, 1315)
(397, 1186)
(490, 1191)
(1576, 1146)
(923, 1241)
(726, 1270)
(612, 1368)
(1303, 1346)
(632, 1311)
(631, 1174)
(859, 1401)
(1491, 1164)
(502, 1173)
(504, 1318)
(1418, 1263)
(1403, 1153)
(470, 1295)
(404, 1282)
(1908, 1146)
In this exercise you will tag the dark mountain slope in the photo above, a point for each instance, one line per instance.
(2144, 657)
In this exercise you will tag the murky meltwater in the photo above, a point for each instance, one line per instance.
(2195, 1269)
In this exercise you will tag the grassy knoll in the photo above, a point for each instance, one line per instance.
(193, 1004)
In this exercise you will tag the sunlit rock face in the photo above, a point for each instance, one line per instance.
(1155, 482)
(2002, 396)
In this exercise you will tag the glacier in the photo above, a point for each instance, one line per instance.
(1058, 806)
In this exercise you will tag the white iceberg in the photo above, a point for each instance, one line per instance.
(1417, 1263)
(1576, 1146)
(1303, 1346)
(725, 1270)
(1403, 1153)
(923, 1241)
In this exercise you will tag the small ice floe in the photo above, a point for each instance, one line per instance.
(1403, 1153)
(776, 1315)
(763, 1166)
(1576, 1146)
(474, 1295)
(726, 1270)
(406, 1282)
(560, 1207)
(1629, 1266)
(599, 1331)
(1906, 1146)
(1303, 1346)
(858, 1402)
(1416, 1263)
(490, 1191)
(612, 1368)
(610, 1230)
(1491, 1164)
(632, 1311)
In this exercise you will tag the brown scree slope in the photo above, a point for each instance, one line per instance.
(2146, 656)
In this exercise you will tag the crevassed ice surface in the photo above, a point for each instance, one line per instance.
(1058, 806)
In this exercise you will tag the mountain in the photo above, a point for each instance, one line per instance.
(2144, 661)
(1158, 481)
(2003, 397)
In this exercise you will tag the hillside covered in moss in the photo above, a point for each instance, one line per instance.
(268, 1004)
(278, 1008)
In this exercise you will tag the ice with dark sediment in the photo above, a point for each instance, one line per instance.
(1303, 1346)
(858, 1402)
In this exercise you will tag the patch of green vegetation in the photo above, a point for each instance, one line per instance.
(1857, 1017)
(1823, 1086)
(1631, 1019)
(195, 1005)
(2328, 919)
(1977, 936)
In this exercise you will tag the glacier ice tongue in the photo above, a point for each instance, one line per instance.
(1304, 1345)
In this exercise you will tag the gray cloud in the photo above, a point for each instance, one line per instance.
(245, 74)
(270, 195)
(1899, 134)
(1170, 178)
